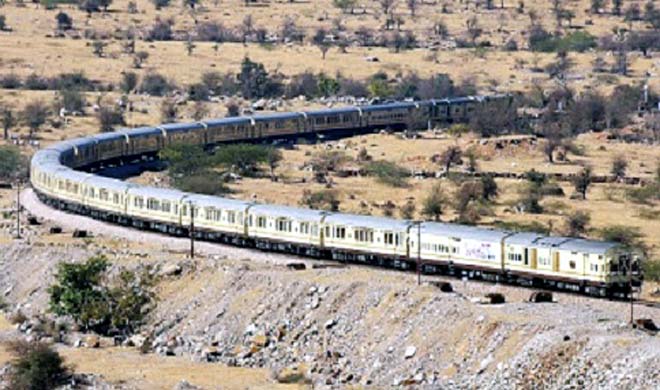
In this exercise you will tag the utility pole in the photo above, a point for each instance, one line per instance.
(630, 286)
(419, 253)
(192, 231)
(18, 209)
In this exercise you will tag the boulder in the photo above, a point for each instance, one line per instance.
(92, 341)
(409, 352)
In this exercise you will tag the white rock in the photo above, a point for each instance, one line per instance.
(410, 351)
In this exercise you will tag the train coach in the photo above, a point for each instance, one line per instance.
(587, 266)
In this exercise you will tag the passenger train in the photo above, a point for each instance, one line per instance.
(60, 175)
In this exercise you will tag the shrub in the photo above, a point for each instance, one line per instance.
(36, 83)
(434, 203)
(651, 270)
(244, 159)
(644, 195)
(211, 31)
(321, 200)
(534, 227)
(576, 223)
(155, 84)
(160, 3)
(109, 117)
(10, 81)
(64, 21)
(71, 100)
(206, 182)
(388, 173)
(185, 159)
(198, 92)
(128, 82)
(626, 235)
(35, 366)
(73, 80)
(161, 30)
(85, 292)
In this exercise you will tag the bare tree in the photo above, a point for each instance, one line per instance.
(247, 26)
(473, 29)
(412, 6)
(320, 40)
(451, 155)
(8, 120)
(582, 181)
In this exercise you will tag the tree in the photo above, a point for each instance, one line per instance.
(34, 115)
(96, 302)
(8, 120)
(632, 13)
(190, 45)
(345, 5)
(473, 29)
(619, 165)
(98, 47)
(616, 7)
(13, 166)
(320, 40)
(582, 181)
(35, 366)
(200, 111)
(139, 58)
(321, 200)
(407, 211)
(129, 81)
(109, 117)
(70, 99)
(243, 159)
(168, 111)
(388, 173)
(387, 6)
(576, 223)
(78, 293)
(451, 155)
(273, 159)
(247, 26)
(64, 21)
(469, 194)
(489, 188)
(434, 203)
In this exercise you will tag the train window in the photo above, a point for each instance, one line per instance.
(304, 227)
(138, 202)
(319, 120)
(571, 264)
(166, 207)
(90, 192)
(327, 231)
(261, 222)
(115, 198)
(176, 209)
(315, 229)
(283, 225)
(184, 211)
(153, 204)
(103, 195)
(231, 216)
(340, 232)
(240, 218)
(389, 238)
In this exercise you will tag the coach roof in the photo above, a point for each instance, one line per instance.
(462, 231)
(287, 212)
(367, 221)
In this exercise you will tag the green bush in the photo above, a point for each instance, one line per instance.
(626, 235)
(243, 159)
(206, 182)
(36, 366)
(321, 200)
(388, 173)
(85, 292)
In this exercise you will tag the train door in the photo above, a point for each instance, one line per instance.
(555, 262)
(534, 258)
(526, 258)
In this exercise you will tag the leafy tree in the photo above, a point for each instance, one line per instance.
(255, 82)
(34, 115)
(627, 235)
(434, 203)
(473, 29)
(616, 7)
(168, 111)
(155, 84)
(84, 292)
(198, 92)
(35, 366)
(469, 195)
(379, 86)
(12, 165)
(79, 293)
(576, 223)
(582, 181)
(243, 159)
(109, 117)
(619, 165)
(596, 6)
(185, 159)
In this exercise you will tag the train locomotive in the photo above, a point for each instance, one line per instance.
(60, 176)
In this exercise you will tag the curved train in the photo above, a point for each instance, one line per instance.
(61, 177)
